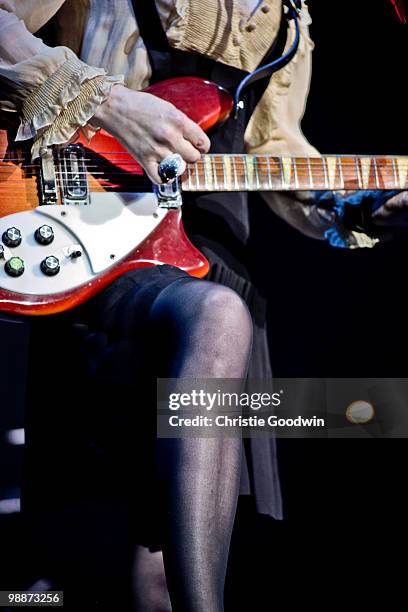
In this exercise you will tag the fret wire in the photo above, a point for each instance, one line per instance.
(205, 169)
(223, 171)
(396, 177)
(242, 178)
(281, 172)
(341, 173)
(235, 172)
(258, 185)
(326, 180)
(358, 172)
(309, 165)
(377, 182)
(189, 176)
(269, 173)
(197, 178)
(295, 173)
(250, 164)
(246, 173)
(214, 171)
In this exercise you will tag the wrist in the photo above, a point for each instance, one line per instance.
(108, 109)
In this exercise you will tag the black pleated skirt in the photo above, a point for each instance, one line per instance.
(91, 413)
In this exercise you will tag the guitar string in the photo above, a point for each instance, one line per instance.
(302, 161)
(201, 188)
(315, 171)
(218, 171)
(145, 187)
(260, 171)
(259, 155)
(321, 176)
(100, 168)
(241, 159)
(190, 167)
(128, 179)
(203, 176)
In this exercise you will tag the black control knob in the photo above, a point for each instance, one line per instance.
(50, 265)
(44, 235)
(12, 237)
(14, 266)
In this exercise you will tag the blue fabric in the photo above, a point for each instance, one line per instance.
(337, 235)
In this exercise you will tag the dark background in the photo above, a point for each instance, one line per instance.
(345, 311)
(336, 313)
(332, 313)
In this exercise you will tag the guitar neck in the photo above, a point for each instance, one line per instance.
(267, 173)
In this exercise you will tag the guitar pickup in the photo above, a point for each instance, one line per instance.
(49, 191)
(73, 175)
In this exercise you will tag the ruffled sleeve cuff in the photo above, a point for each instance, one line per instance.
(53, 112)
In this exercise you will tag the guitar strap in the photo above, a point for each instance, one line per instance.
(156, 43)
(150, 26)
(153, 34)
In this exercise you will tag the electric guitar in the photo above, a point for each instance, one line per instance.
(85, 213)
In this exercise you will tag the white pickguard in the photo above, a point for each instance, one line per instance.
(107, 230)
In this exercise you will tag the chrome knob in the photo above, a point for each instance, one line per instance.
(12, 237)
(44, 235)
(50, 265)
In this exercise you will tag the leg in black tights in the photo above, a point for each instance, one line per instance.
(206, 333)
(209, 331)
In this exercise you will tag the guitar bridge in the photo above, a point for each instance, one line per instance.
(169, 194)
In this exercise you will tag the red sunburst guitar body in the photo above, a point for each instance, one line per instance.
(112, 181)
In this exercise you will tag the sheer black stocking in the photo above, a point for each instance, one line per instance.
(209, 334)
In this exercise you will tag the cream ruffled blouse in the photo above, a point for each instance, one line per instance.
(57, 90)
(51, 83)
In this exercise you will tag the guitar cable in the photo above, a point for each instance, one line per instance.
(294, 8)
